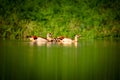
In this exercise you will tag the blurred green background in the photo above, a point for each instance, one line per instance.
(90, 18)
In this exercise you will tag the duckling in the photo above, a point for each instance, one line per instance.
(61, 37)
(58, 39)
(70, 41)
(49, 37)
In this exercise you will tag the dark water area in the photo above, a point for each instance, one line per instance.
(88, 60)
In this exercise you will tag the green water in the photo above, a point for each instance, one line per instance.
(89, 60)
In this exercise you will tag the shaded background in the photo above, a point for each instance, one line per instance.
(91, 18)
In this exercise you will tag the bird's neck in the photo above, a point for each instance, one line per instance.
(49, 38)
(76, 39)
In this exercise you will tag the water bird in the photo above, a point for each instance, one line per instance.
(58, 39)
(41, 39)
(69, 40)
(49, 37)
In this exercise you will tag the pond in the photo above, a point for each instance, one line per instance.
(86, 60)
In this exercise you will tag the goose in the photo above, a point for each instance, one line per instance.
(70, 41)
(41, 39)
(38, 39)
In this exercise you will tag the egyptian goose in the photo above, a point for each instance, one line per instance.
(40, 39)
(69, 41)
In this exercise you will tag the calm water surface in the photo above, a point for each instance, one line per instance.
(88, 60)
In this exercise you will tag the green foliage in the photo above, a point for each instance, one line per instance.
(91, 19)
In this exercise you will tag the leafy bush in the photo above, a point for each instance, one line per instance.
(91, 19)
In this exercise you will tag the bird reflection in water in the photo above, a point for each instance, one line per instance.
(49, 44)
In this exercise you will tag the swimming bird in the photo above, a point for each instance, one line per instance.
(58, 39)
(41, 39)
(37, 39)
(69, 40)
(49, 37)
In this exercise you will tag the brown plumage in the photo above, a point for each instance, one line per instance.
(41, 39)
